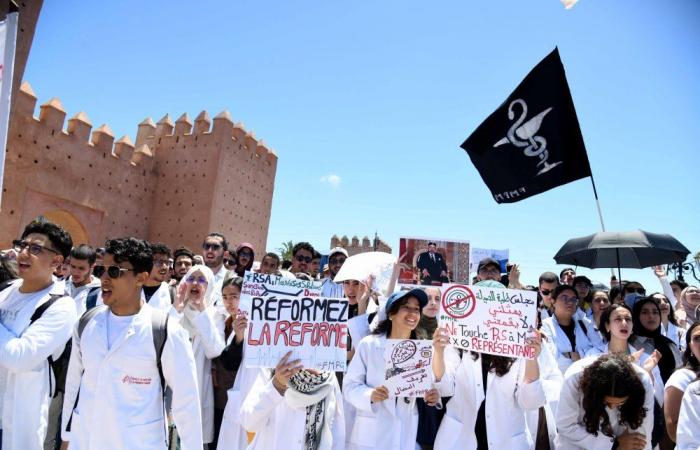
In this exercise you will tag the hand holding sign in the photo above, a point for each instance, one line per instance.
(285, 370)
(379, 394)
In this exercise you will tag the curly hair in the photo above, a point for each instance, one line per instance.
(302, 246)
(135, 251)
(160, 248)
(59, 238)
(611, 375)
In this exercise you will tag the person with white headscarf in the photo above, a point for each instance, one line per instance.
(293, 408)
(193, 307)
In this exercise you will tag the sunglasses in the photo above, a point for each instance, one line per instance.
(112, 271)
(229, 261)
(246, 254)
(34, 249)
(336, 261)
(199, 280)
(637, 290)
(306, 259)
(211, 246)
(546, 291)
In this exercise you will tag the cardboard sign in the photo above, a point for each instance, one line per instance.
(408, 367)
(489, 320)
(446, 262)
(287, 314)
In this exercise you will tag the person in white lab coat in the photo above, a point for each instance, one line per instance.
(156, 290)
(384, 421)
(294, 409)
(26, 382)
(491, 396)
(81, 281)
(678, 383)
(114, 397)
(566, 327)
(605, 399)
(688, 437)
(193, 307)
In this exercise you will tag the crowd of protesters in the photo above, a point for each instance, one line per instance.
(135, 345)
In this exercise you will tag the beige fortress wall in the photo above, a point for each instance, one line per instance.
(173, 185)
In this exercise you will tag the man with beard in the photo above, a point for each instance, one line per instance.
(330, 288)
(184, 259)
(302, 255)
(81, 281)
(214, 246)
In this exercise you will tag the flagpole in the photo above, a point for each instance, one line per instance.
(602, 224)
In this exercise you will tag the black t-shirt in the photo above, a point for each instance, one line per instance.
(148, 291)
(570, 331)
(482, 442)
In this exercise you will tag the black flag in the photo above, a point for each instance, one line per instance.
(532, 142)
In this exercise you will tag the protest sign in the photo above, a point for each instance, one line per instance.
(477, 254)
(379, 265)
(489, 320)
(287, 314)
(408, 369)
(434, 261)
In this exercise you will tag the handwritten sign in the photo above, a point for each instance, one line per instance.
(489, 320)
(408, 369)
(289, 315)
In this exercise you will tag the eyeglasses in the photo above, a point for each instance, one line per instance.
(199, 280)
(207, 246)
(546, 291)
(306, 259)
(112, 271)
(229, 261)
(631, 290)
(34, 249)
(161, 262)
(336, 261)
(692, 291)
(246, 254)
(567, 299)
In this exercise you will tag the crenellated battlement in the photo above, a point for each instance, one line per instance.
(176, 181)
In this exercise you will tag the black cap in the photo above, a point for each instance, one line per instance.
(488, 262)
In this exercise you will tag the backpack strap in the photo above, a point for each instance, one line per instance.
(87, 317)
(91, 300)
(44, 306)
(583, 327)
(159, 326)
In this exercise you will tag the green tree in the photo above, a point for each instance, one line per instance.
(285, 250)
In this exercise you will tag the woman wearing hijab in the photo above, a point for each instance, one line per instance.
(292, 408)
(245, 255)
(192, 307)
(687, 314)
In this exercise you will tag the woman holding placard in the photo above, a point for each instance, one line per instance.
(384, 422)
(491, 396)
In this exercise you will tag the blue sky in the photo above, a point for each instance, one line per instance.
(366, 104)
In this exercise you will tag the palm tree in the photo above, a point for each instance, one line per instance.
(285, 250)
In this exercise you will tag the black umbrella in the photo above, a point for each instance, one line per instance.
(629, 249)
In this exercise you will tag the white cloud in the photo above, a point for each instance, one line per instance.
(332, 179)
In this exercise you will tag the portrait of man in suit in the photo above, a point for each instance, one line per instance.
(432, 266)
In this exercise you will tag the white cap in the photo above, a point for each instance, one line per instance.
(338, 250)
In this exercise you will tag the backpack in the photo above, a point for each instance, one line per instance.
(159, 326)
(91, 300)
(59, 367)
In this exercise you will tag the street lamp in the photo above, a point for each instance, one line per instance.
(679, 268)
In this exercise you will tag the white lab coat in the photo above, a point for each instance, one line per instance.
(388, 425)
(232, 435)
(687, 434)
(507, 400)
(278, 426)
(23, 354)
(80, 293)
(120, 402)
(160, 298)
(207, 343)
(552, 380)
(551, 329)
(572, 432)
